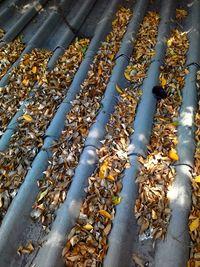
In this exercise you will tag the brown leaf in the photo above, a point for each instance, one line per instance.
(138, 260)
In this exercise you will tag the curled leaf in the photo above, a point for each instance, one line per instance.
(119, 90)
(105, 214)
(127, 76)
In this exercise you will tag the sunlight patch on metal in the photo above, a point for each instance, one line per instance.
(123, 231)
(110, 98)
(146, 109)
(174, 250)
(50, 253)
(19, 210)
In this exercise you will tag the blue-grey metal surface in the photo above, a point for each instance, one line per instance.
(69, 211)
(50, 31)
(29, 189)
(21, 23)
(174, 250)
(38, 39)
(121, 240)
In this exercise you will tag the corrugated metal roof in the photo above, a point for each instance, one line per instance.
(96, 162)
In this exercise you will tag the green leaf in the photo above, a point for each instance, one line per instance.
(42, 194)
(84, 49)
(116, 200)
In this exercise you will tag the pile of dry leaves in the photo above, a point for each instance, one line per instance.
(9, 53)
(157, 173)
(88, 241)
(194, 218)
(22, 78)
(39, 111)
(66, 153)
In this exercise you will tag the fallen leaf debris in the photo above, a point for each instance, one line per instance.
(67, 151)
(194, 223)
(157, 172)
(88, 248)
(38, 112)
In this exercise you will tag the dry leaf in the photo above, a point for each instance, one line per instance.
(173, 154)
(26, 249)
(116, 200)
(34, 69)
(27, 118)
(127, 76)
(163, 82)
(42, 195)
(105, 214)
(107, 229)
(25, 82)
(197, 179)
(110, 177)
(88, 227)
(138, 260)
(119, 90)
(103, 169)
(194, 225)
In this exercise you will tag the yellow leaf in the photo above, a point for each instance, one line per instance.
(25, 82)
(169, 42)
(194, 225)
(173, 154)
(110, 177)
(163, 82)
(34, 69)
(197, 179)
(27, 117)
(116, 200)
(151, 53)
(105, 214)
(111, 56)
(127, 76)
(119, 90)
(88, 227)
(103, 169)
